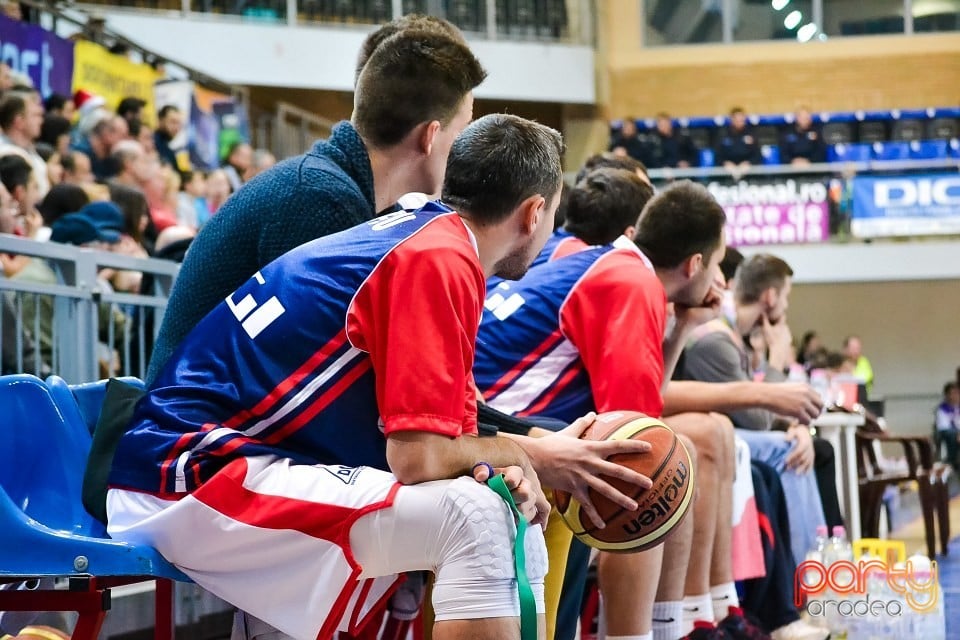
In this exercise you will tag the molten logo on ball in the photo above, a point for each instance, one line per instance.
(660, 508)
(674, 490)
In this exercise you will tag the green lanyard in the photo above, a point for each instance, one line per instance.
(528, 605)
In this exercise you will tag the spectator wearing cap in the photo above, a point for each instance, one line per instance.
(738, 147)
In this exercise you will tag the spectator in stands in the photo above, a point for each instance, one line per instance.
(627, 141)
(55, 132)
(666, 147)
(27, 358)
(136, 214)
(131, 109)
(142, 133)
(19, 178)
(216, 193)
(237, 164)
(802, 143)
(192, 208)
(810, 345)
(161, 190)
(6, 78)
(262, 160)
(21, 118)
(60, 106)
(169, 126)
(132, 165)
(948, 423)
(105, 130)
(363, 168)
(76, 168)
(853, 351)
(737, 147)
(52, 160)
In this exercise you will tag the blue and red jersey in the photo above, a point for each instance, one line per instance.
(576, 334)
(560, 244)
(318, 356)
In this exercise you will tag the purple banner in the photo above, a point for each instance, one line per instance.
(38, 53)
(786, 212)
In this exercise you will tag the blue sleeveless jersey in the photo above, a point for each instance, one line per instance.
(286, 364)
(573, 336)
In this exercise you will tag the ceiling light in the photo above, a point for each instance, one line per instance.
(793, 19)
(779, 4)
(806, 32)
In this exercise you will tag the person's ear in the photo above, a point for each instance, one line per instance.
(692, 265)
(532, 212)
(630, 232)
(428, 135)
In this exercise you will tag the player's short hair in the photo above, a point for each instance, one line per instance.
(412, 77)
(609, 160)
(414, 21)
(680, 221)
(604, 203)
(759, 273)
(499, 161)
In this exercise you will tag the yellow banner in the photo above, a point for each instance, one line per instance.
(113, 77)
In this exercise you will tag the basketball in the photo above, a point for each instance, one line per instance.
(661, 507)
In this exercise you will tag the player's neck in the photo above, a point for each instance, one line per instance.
(393, 176)
(491, 242)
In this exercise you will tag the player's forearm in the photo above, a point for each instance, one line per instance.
(416, 457)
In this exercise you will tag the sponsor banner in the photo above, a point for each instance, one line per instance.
(114, 77)
(38, 53)
(774, 212)
(909, 205)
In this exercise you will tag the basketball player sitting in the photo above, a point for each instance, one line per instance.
(308, 441)
(587, 332)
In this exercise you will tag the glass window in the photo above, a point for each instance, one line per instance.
(683, 21)
(936, 15)
(773, 20)
(858, 18)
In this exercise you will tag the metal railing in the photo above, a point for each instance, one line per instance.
(549, 20)
(71, 323)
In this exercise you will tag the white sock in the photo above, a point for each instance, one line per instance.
(668, 620)
(697, 608)
(724, 595)
(645, 636)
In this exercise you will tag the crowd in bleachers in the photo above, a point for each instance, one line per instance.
(801, 137)
(74, 171)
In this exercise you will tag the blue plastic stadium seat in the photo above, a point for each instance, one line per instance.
(849, 153)
(891, 150)
(953, 148)
(770, 153)
(706, 157)
(89, 397)
(41, 474)
(928, 150)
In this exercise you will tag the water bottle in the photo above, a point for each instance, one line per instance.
(821, 384)
(816, 554)
(928, 624)
(838, 548)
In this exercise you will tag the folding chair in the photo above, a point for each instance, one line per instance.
(47, 532)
